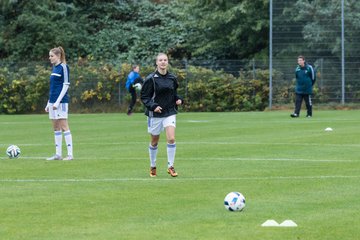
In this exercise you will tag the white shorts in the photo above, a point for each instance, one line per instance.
(156, 125)
(60, 113)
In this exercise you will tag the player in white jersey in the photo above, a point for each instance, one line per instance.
(58, 103)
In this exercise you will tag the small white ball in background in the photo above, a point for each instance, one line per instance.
(234, 201)
(13, 151)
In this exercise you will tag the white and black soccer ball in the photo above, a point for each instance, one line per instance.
(13, 151)
(137, 86)
(234, 201)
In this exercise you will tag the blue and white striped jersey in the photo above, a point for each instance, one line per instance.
(59, 77)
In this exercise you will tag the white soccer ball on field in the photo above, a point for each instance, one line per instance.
(13, 151)
(234, 201)
(137, 86)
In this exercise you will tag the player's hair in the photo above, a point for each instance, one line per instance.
(302, 57)
(161, 54)
(59, 51)
(135, 66)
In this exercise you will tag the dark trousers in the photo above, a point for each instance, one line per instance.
(133, 98)
(308, 103)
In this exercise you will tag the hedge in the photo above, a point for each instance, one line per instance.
(99, 87)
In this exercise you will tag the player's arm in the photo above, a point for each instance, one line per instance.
(147, 94)
(47, 106)
(138, 80)
(178, 100)
(313, 75)
(130, 80)
(64, 88)
(62, 94)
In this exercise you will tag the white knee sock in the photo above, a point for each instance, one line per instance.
(58, 142)
(171, 150)
(68, 141)
(152, 153)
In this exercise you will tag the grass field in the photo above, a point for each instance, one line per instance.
(286, 168)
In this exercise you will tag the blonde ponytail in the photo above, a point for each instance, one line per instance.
(59, 51)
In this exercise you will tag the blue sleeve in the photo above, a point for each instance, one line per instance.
(130, 80)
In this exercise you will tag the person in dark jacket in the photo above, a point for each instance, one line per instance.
(305, 79)
(159, 95)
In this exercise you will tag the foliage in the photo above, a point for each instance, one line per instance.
(33, 27)
(225, 29)
(218, 91)
(96, 88)
(130, 31)
(21, 92)
(111, 31)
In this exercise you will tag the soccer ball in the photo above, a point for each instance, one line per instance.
(234, 201)
(13, 151)
(137, 86)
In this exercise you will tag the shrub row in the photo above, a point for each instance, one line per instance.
(100, 88)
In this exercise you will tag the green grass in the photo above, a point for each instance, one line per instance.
(286, 168)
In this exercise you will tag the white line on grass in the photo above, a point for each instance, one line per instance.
(342, 145)
(178, 179)
(204, 159)
(270, 159)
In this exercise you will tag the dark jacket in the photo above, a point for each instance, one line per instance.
(305, 79)
(160, 90)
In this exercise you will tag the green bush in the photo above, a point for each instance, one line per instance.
(100, 87)
(21, 92)
(219, 91)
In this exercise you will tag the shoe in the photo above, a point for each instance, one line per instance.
(153, 172)
(55, 157)
(294, 115)
(309, 116)
(171, 171)
(68, 158)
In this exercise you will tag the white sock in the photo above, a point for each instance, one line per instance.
(58, 142)
(152, 153)
(171, 150)
(68, 141)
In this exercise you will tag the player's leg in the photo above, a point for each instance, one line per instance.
(68, 138)
(298, 101)
(57, 134)
(153, 150)
(308, 104)
(58, 139)
(133, 100)
(170, 125)
(62, 115)
(154, 128)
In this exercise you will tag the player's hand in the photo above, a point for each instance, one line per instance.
(47, 107)
(55, 106)
(158, 109)
(178, 102)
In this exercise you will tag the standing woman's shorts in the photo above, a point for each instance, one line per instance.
(156, 125)
(60, 113)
